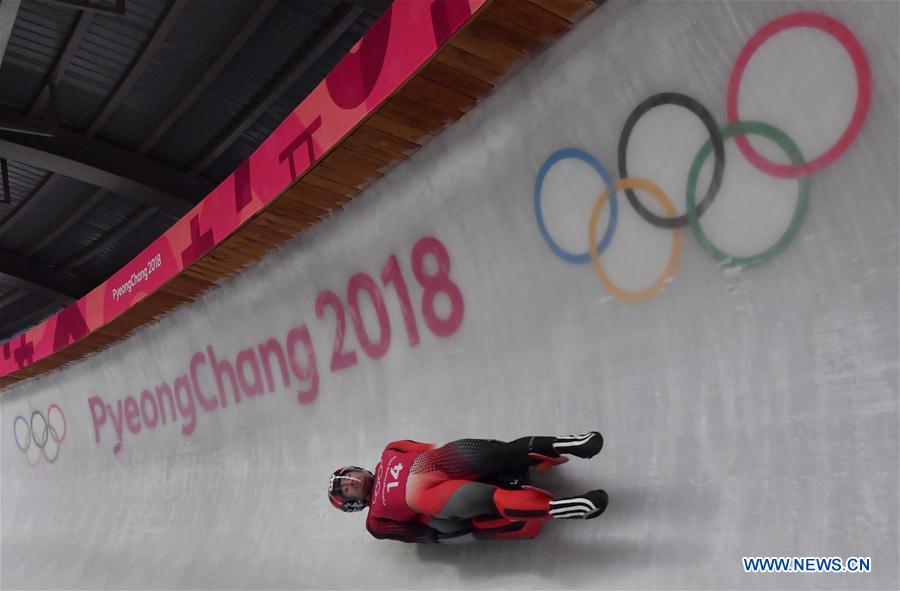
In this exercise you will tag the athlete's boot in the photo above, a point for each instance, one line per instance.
(583, 446)
(587, 506)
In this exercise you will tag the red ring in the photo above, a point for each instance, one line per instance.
(863, 90)
(65, 426)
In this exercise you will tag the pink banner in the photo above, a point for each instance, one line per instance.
(396, 46)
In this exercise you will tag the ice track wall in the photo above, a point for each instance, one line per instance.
(743, 367)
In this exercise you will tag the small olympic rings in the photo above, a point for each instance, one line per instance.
(737, 129)
(42, 431)
(538, 212)
(863, 90)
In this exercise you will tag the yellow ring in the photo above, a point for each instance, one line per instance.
(668, 273)
(37, 462)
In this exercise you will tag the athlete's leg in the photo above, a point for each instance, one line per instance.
(449, 527)
(464, 499)
(480, 458)
(455, 499)
(512, 530)
(471, 459)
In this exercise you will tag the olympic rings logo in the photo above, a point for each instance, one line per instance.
(40, 435)
(737, 129)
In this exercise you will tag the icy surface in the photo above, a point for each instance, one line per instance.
(747, 412)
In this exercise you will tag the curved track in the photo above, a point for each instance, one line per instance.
(746, 411)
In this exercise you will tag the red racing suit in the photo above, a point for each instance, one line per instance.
(422, 493)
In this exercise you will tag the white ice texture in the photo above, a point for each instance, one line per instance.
(747, 412)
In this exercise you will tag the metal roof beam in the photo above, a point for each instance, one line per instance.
(70, 221)
(109, 167)
(212, 72)
(65, 58)
(124, 229)
(373, 6)
(304, 59)
(10, 299)
(55, 285)
(11, 122)
(137, 68)
(87, 5)
(150, 48)
(26, 204)
(4, 172)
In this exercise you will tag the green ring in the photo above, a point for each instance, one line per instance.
(790, 148)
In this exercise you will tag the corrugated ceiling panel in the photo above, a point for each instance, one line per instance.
(17, 97)
(24, 307)
(76, 102)
(110, 46)
(22, 181)
(5, 290)
(196, 40)
(115, 254)
(26, 304)
(40, 32)
(111, 211)
(37, 39)
(52, 208)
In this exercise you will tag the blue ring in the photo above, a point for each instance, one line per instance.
(587, 158)
(16, 437)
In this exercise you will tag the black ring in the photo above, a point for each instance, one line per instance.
(46, 429)
(674, 98)
(52, 431)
